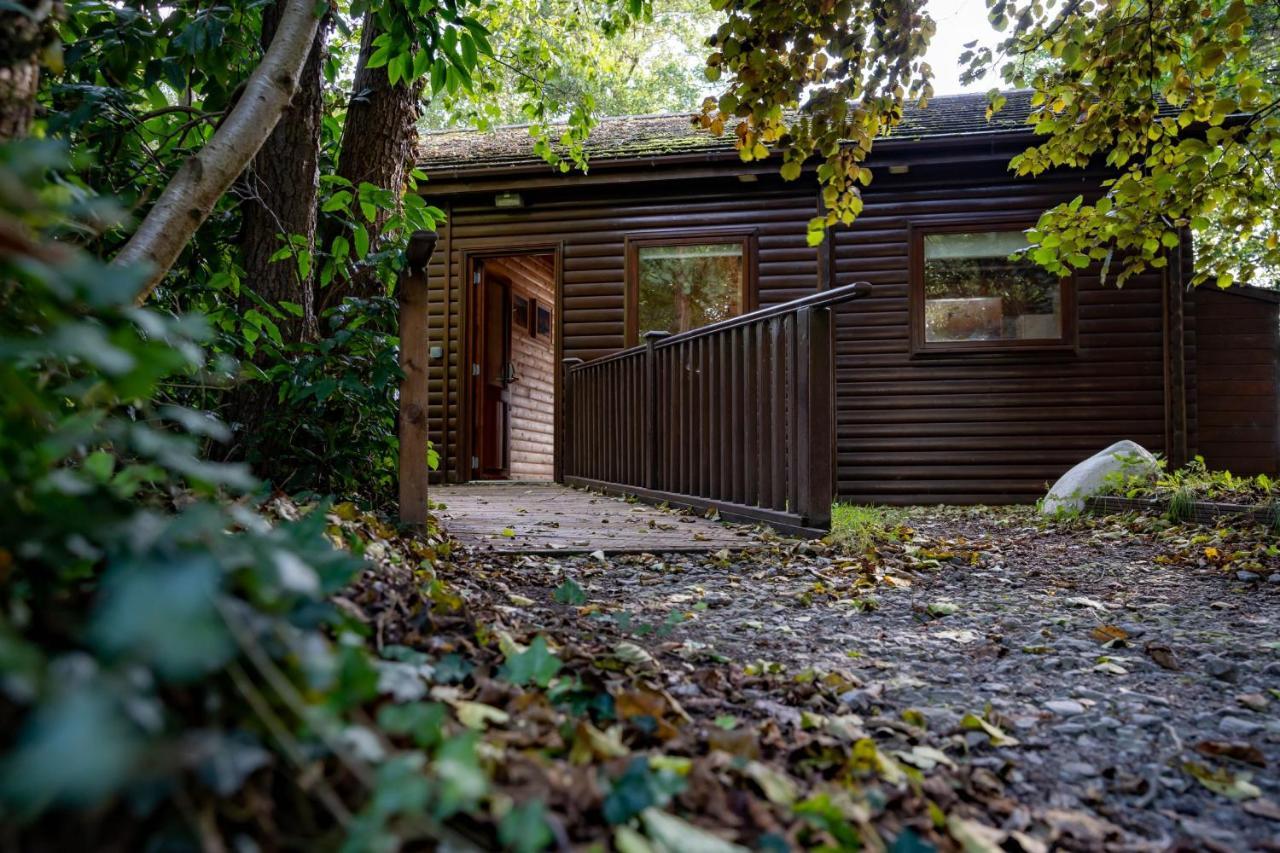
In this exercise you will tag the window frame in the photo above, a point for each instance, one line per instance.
(917, 231)
(747, 237)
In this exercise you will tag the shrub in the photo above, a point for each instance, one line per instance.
(161, 643)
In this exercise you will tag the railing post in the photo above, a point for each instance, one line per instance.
(571, 466)
(412, 293)
(815, 416)
(653, 421)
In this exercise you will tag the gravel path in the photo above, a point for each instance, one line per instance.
(1140, 685)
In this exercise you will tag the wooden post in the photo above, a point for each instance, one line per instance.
(653, 424)
(412, 294)
(571, 467)
(815, 417)
(1175, 363)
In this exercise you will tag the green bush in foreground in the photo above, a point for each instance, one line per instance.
(160, 642)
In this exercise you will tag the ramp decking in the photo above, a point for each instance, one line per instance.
(547, 518)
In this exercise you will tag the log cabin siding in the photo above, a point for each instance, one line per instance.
(588, 230)
(989, 428)
(1239, 409)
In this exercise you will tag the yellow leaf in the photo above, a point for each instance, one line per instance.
(478, 716)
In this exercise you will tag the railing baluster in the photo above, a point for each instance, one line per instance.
(750, 408)
(725, 401)
(778, 452)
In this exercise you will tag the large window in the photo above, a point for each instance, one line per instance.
(682, 281)
(969, 295)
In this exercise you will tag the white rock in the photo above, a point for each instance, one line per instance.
(1089, 477)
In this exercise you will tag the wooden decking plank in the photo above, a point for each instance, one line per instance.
(550, 518)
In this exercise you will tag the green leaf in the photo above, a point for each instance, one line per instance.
(524, 828)
(536, 664)
(569, 593)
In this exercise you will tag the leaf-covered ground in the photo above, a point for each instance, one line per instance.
(980, 679)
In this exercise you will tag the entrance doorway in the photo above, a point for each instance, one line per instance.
(512, 379)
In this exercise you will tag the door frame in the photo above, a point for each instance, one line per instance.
(473, 254)
(480, 414)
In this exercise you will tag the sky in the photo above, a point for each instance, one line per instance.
(958, 21)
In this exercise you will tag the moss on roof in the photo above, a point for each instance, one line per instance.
(657, 136)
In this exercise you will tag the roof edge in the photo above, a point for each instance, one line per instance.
(944, 141)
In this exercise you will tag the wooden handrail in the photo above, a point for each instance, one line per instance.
(738, 415)
(821, 299)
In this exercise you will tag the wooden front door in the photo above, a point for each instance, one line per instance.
(491, 376)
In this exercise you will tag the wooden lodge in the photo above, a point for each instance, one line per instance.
(958, 376)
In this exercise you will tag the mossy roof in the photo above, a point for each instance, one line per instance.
(657, 136)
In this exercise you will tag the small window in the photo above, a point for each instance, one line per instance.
(520, 312)
(970, 295)
(685, 282)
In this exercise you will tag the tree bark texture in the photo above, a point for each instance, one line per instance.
(280, 191)
(22, 37)
(207, 175)
(378, 145)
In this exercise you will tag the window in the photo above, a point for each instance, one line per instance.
(684, 281)
(969, 295)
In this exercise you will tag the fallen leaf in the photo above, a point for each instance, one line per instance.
(536, 664)
(1263, 808)
(569, 593)
(1163, 655)
(925, 757)
(976, 837)
(477, 715)
(590, 743)
(942, 608)
(779, 788)
(520, 600)
(742, 743)
(671, 834)
(972, 722)
(1224, 782)
(1109, 634)
(1082, 601)
(963, 636)
(632, 654)
(1234, 750)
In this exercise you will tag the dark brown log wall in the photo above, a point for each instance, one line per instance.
(589, 230)
(974, 428)
(956, 429)
(1239, 378)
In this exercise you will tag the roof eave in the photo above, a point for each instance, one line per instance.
(892, 145)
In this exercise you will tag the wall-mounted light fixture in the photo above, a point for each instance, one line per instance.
(508, 199)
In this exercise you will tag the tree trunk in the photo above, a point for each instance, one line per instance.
(280, 190)
(378, 142)
(22, 37)
(207, 175)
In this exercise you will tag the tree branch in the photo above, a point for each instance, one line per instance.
(207, 175)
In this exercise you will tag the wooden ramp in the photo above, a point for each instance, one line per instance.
(547, 518)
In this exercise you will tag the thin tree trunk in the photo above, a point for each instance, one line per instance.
(280, 190)
(207, 175)
(22, 37)
(378, 142)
